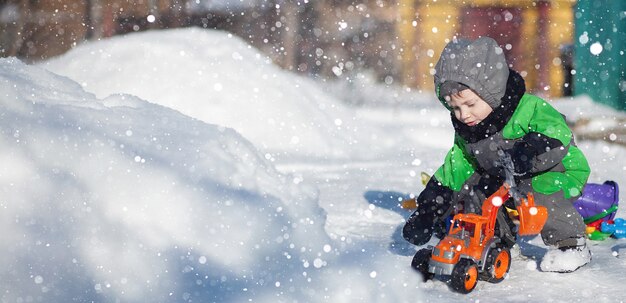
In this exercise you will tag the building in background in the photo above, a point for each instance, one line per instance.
(531, 33)
(393, 41)
(40, 29)
(600, 51)
(34, 30)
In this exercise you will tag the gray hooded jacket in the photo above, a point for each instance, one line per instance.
(478, 64)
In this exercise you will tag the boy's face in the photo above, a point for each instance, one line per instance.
(468, 107)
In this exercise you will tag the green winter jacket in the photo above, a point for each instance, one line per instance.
(532, 115)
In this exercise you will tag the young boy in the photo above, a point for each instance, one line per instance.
(493, 117)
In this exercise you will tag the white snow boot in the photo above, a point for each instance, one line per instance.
(566, 259)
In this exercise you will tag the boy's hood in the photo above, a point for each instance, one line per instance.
(478, 64)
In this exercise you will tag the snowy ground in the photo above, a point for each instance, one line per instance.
(245, 183)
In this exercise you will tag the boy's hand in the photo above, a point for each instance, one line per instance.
(517, 160)
(432, 203)
(535, 153)
(522, 154)
(419, 228)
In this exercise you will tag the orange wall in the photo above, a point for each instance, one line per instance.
(439, 21)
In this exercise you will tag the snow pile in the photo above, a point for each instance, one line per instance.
(218, 78)
(360, 88)
(120, 198)
(577, 108)
(123, 200)
(602, 123)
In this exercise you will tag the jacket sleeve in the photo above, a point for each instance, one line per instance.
(457, 167)
(435, 201)
(442, 191)
(546, 141)
(432, 205)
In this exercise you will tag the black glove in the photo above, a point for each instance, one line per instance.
(419, 228)
(522, 154)
(432, 203)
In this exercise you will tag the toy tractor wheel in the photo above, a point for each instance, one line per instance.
(420, 263)
(497, 264)
(464, 276)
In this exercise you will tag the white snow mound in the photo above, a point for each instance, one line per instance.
(218, 78)
(121, 199)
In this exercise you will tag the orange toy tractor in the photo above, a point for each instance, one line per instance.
(471, 250)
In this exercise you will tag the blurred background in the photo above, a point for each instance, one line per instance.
(561, 47)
